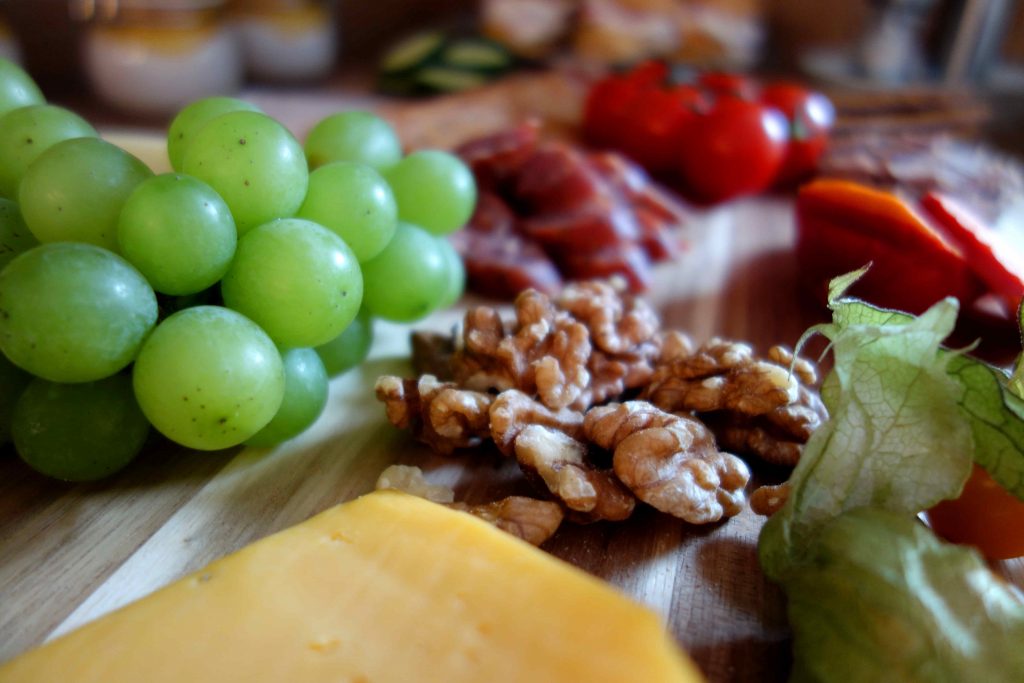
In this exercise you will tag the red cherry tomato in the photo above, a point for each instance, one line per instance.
(606, 112)
(656, 119)
(811, 117)
(986, 516)
(734, 149)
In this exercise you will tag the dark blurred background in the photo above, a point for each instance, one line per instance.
(792, 29)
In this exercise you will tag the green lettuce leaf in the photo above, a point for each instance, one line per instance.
(879, 598)
(895, 439)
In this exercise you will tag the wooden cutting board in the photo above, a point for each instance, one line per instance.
(73, 552)
(70, 553)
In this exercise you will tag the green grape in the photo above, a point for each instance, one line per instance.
(15, 237)
(72, 312)
(355, 202)
(305, 395)
(79, 432)
(456, 271)
(350, 348)
(209, 378)
(434, 190)
(297, 280)
(178, 232)
(353, 136)
(408, 279)
(193, 117)
(17, 89)
(75, 190)
(13, 380)
(28, 132)
(253, 162)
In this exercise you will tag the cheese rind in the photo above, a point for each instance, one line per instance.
(385, 588)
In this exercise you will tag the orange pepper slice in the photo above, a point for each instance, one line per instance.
(843, 225)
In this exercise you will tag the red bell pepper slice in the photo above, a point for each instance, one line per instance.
(998, 264)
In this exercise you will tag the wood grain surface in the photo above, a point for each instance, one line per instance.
(70, 553)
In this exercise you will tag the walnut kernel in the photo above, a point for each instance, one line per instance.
(532, 520)
(669, 461)
(411, 480)
(560, 462)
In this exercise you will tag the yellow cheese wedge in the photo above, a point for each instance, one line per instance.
(386, 588)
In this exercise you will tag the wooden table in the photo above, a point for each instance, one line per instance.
(69, 553)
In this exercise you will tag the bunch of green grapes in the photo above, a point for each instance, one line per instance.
(213, 302)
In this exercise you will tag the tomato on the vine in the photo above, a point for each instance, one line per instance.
(736, 148)
(607, 110)
(986, 516)
(811, 116)
(723, 134)
(657, 118)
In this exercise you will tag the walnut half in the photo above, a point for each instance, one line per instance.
(560, 462)
(439, 414)
(410, 479)
(512, 411)
(763, 407)
(721, 375)
(669, 461)
(532, 520)
(544, 355)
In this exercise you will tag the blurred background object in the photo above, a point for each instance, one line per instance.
(9, 48)
(286, 40)
(892, 48)
(48, 41)
(988, 35)
(879, 43)
(434, 62)
(709, 33)
(876, 55)
(530, 28)
(155, 56)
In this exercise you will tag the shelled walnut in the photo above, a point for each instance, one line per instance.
(560, 463)
(763, 407)
(512, 411)
(432, 354)
(545, 353)
(532, 520)
(601, 407)
(440, 414)
(669, 461)
(721, 375)
(592, 343)
(618, 322)
(411, 480)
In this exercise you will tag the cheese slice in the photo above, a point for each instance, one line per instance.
(386, 588)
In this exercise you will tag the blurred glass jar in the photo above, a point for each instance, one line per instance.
(286, 40)
(155, 56)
